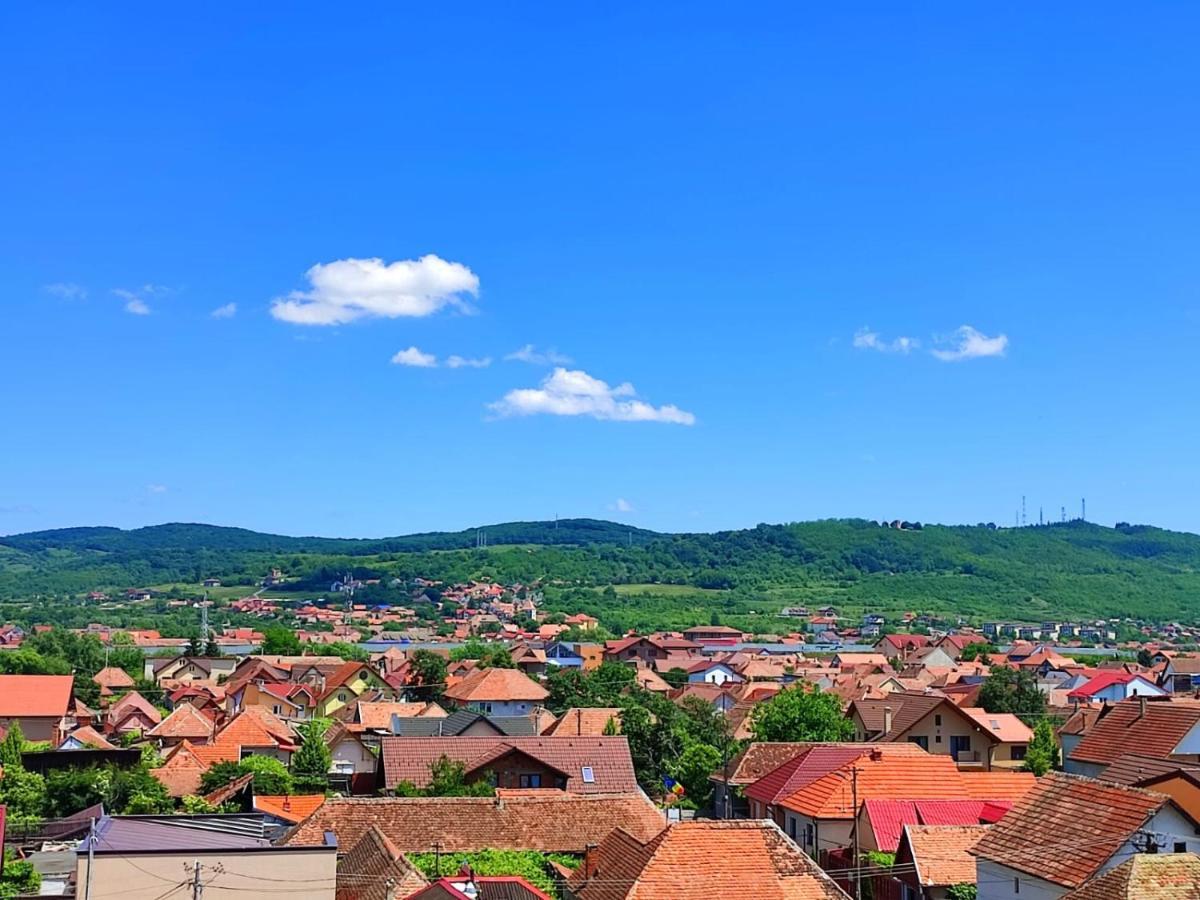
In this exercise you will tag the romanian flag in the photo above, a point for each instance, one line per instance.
(673, 786)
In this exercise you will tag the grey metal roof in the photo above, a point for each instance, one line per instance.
(458, 722)
(131, 834)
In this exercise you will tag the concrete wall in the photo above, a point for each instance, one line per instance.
(307, 874)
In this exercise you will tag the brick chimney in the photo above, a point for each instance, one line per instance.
(590, 861)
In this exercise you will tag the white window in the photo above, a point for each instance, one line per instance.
(589, 775)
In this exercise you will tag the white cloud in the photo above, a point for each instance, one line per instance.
(66, 290)
(533, 356)
(156, 488)
(349, 289)
(865, 339)
(228, 311)
(622, 505)
(969, 343)
(462, 362)
(134, 300)
(414, 357)
(576, 393)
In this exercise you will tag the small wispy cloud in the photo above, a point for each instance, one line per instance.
(530, 354)
(66, 290)
(621, 505)
(970, 343)
(463, 362)
(157, 488)
(135, 300)
(576, 393)
(413, 356)
(865, 339)
(228, 311)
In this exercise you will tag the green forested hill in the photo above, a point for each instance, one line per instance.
(1075, 569)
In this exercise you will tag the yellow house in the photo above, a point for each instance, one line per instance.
(348, 683)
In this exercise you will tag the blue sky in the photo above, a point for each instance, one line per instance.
(756, 233)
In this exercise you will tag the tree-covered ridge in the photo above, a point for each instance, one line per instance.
(1074, 569)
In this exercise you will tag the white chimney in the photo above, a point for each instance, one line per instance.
(887, 720)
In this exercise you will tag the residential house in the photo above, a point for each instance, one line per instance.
(469, 886)
(586, 721)
(1181, 674)
(563, 655)
(881, 823)
(349, 681)
(585, 765)
(649, 649)
(820, 815)
(375, 869)
(189, 668)
(900, 646)
(1113, 686)
(713, 634)
(352, 766)
(39, 703)
(1162, 728)
(112, 680)
(747, 767)
(1068, 829)
(969, 735)
(712, 672)
(135, 856)
(288, 700)
(468, 723)
(133, 713)
(932, 859)
(185, 723)
(501, 692)
(699, 860)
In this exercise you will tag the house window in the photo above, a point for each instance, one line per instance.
(1181, 846)
(810, 834)
(937, 719)
(342, 696)
(277, 709)
(1016, 885)
(791, 828)
(1018, 752)
(937, 738)
(920, 740)
(589, 775)
(530, 781)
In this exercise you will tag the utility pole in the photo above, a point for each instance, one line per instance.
(87, 889)
(197, 887)
(857, 864)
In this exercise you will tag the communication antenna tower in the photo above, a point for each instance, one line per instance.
(1023, 520)
(1083, 509)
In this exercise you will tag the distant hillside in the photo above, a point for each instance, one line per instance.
(1075, 569)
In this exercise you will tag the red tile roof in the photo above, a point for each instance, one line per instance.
(496, 686)
(889, 817)
(554, 822)
(586, 721)
(1146, 876)
(803, 770)
(34, 696)
(1097, 818)
(703, 859)
(1157, 732)
(1101, 681)
(410, 758)
(1133, 768)
(760, 758)
(112, 677)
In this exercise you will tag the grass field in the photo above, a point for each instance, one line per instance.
(664, 590)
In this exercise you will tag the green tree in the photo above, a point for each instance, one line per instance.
(347, 651)
(310, 765)
(281, 641)
(692, 769)
(1013, 691)
(653, 744)
(964, 891)
(270, 775)
(489, 653)
(676, 677)
(428, 679)
(800, 713)
(1042, 754)
(447, 778)
(19, 877)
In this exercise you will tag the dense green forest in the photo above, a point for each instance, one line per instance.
(636, 578)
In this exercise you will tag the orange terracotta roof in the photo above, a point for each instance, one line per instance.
(379, 715)
(703, 859)
(1102, 816)
(942, 853)
(184, 722)
(496, 686)
(92, 738)
(289, 808)
(555, 822)
(1146, 876)
(883, 775)
(112, 677)
(997, 784)
(1004, 727)
(586, 721)
(34, 696)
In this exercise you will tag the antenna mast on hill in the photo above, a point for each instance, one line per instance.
(1023, 520)
(1064, 514)
(1041, 518)
(204, 622)
(1083, 509)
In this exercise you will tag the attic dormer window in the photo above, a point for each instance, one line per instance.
(589, 775)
